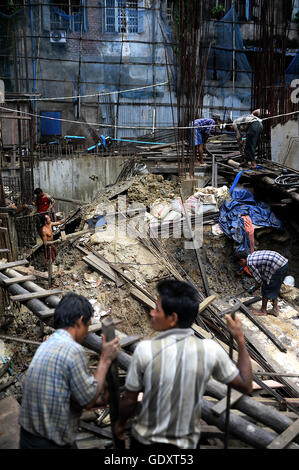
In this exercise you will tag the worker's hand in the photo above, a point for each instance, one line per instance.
(110, 350)
(119, 430)
(235, 327)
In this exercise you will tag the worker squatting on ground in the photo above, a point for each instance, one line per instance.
(252, 125)
(172, 371)
(57, 385)
(46, 233)
(200, 134)
(269, 268)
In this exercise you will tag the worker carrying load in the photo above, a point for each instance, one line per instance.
(252, 125)
(200, 133)
(58, 385)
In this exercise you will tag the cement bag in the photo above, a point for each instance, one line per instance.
(177, 205)
(193, 204)
(160, 210)
(172, 216)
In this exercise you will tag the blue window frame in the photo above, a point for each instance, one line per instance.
(68, 15)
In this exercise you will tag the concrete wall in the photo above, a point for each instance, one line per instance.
(76, 178)
(285, 144)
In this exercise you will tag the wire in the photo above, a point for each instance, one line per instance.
(94, 94)
(127, 127)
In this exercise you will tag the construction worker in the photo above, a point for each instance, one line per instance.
(252, 125)
(57, 384)
(269, 269)
(172, 371)
(44, 203)
(46, 233)
(200, 134)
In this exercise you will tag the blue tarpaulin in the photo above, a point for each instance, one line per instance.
(243, 203)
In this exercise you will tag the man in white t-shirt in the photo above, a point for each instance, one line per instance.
(172, 371)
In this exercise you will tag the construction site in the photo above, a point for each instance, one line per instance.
(98, 100)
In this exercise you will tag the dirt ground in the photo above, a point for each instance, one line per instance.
(137, 262)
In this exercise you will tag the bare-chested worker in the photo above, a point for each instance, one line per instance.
(46, 233)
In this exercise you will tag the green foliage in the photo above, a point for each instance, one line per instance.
(217, 12)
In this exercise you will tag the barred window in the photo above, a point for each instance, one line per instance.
(67, 15)
(122, 16)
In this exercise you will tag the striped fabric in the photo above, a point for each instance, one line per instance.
(56, 386)
(172, 371)
(264, 263)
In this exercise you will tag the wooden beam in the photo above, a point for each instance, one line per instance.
(12, 264)
(102, 267)
(142, 297)
(222, 404)
(262, 327)
(206, 302)
(19, 279)
(35, 295)
(31, 270)
(282, 441)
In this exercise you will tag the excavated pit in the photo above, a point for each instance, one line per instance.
(71, 273)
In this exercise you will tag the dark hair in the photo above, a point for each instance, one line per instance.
(70, 308)
(42, 219)
(37, 191)
(241, 254)
(180, 297)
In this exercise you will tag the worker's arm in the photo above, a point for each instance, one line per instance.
(243, 381)
(238, 137)
(110, 351)
(60, 222)
(127, 406)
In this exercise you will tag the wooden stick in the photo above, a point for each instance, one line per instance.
(113, 383)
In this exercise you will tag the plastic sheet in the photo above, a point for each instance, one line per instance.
(243, 203)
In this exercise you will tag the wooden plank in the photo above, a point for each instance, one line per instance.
(262, 327)
(19, 279)
(31, 270)
(206, 302)
(9, 425)
(142, 297)
(222, 404)
(268, 383)
(282, 441)
(35, 295)
(102, 267)
(12, 264)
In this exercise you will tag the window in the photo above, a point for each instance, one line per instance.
(67, 15)
(122, 16)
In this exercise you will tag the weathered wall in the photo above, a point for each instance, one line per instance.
(285, 143)
(76, 178)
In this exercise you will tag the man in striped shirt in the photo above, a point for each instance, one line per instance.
(269, 269)
(172, 371)
(200, 133)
